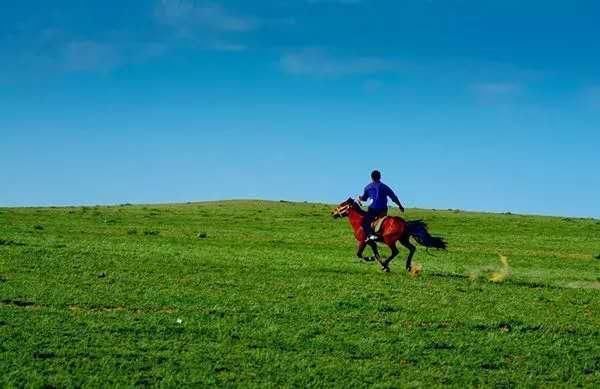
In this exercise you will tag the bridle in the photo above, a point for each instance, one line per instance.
(342, 210)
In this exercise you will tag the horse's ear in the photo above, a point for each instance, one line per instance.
(350, 200)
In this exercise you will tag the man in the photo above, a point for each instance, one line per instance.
(378, 192)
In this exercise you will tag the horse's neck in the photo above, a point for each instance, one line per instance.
(355, 217)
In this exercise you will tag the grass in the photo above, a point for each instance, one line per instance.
(270, 294)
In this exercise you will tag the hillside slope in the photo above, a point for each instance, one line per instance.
(269, 293)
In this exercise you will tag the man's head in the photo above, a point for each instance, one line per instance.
(376, 175)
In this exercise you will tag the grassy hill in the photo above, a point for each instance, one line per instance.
(270, 294)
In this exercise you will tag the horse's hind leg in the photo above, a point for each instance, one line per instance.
(385, 264)
(411, 248)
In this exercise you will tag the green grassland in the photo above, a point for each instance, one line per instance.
(245, 293)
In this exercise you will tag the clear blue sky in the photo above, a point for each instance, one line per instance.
(480, 105)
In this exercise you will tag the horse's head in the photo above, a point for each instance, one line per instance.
(344, 208)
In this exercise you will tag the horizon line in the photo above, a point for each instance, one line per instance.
(283, 201)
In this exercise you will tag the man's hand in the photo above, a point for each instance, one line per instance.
(358, 200)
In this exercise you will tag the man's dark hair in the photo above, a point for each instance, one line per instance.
(376, 175)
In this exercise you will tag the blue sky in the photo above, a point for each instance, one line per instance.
(479, 105)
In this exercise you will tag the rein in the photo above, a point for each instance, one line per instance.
(343, 208)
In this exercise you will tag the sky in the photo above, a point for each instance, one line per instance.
(475, 105)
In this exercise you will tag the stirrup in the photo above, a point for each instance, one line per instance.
(372, 238)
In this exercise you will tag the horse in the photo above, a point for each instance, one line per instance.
(393, 229)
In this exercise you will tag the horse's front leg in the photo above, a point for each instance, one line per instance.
(359, 252)
(361, 248)
(373, 246)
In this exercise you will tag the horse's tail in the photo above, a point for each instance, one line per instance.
(418, 230)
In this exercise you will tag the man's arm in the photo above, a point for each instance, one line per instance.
(364, 196)
(394, 198)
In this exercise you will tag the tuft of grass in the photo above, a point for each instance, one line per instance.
(151, 232)
(43, 355)
(38, 227)
(9, 242)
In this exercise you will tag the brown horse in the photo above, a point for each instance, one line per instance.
(394, 229)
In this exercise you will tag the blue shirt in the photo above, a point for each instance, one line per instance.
(378, 192)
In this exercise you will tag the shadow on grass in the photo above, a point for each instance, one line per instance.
(19, 303)
(522, 283)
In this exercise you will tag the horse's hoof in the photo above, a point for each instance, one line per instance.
(385, 269)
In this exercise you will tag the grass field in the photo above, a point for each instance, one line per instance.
(269, 294)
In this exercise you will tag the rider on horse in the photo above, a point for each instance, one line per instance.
(378, 192)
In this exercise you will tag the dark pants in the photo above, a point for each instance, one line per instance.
(371, 215)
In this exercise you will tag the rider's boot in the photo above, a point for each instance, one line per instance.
(372, 238)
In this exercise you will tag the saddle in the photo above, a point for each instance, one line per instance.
(377, 223)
